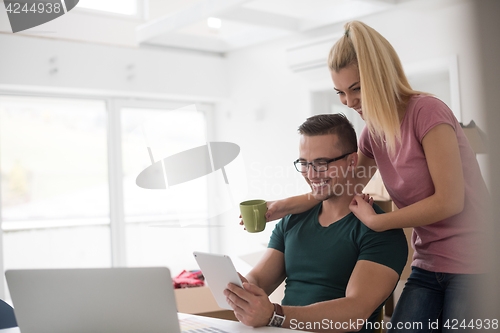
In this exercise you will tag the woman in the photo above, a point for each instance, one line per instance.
(429, 170)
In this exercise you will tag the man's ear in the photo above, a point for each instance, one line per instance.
(353, 160)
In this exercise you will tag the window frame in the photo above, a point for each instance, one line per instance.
(114, 105)
(118, 224)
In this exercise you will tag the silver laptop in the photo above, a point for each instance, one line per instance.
(94, 300)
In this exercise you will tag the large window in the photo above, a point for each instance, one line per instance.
(54, 184)
(68, 184)
(163, 226)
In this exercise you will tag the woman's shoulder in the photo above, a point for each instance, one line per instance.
(428, 106)
(426, 112)
(423, 101)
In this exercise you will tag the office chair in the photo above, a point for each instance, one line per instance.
(7, 317)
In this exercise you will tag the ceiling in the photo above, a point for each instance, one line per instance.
(183, 23)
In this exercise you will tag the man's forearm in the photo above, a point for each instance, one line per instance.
(269, 271)
(340, 315)
(266, 286)
(252, 279)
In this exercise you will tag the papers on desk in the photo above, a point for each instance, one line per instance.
(194, 326)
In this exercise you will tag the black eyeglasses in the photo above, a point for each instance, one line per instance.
(318, 166)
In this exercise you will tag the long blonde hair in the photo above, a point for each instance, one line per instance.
(384, 85)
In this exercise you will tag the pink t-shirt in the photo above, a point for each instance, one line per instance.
(452, 245)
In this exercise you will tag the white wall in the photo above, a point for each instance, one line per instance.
(28, 63)
(266, 105)
(83, 25)
(269, 102)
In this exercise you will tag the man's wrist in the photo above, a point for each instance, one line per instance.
(278, 316)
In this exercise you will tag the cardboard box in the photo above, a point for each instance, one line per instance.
(476, 137)
(385, 204)
(200, 301)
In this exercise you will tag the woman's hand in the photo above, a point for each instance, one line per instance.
(275, 210)
(362, 206)
(366, 197)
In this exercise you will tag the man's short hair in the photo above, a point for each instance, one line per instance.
(337, 124)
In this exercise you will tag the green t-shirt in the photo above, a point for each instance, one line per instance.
(319, 260)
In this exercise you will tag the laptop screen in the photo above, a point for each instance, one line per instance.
(94, 300)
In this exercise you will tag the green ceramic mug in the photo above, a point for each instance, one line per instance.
(253, 213)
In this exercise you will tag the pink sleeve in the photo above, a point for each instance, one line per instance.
(365, 145)
(430, 112)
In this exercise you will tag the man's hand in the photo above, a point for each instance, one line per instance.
(251, 305)
(362, 207)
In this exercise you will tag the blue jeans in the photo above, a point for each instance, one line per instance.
(434, 302)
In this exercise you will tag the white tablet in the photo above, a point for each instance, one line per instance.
(218, 271)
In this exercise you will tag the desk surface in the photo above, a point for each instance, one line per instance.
(231, 325)
(227, 325)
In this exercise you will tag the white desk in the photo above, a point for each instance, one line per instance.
(226, 325)
(232, 326)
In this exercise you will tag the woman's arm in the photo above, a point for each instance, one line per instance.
(445, 166)
(292, 205)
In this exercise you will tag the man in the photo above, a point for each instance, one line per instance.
(338, 272)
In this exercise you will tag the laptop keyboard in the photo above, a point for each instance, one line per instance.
(205, 330)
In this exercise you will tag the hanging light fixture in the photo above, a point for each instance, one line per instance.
(214, 24)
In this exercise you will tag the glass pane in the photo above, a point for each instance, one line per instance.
(165, 132)
(159, 244)
(126, 7)
(54, 182)
(164, 226)
(86, 246)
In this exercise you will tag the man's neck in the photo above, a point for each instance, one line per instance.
(334, 209)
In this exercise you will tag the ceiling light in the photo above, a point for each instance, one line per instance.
(214, 23)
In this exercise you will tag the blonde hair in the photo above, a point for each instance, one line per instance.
(384, 85)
